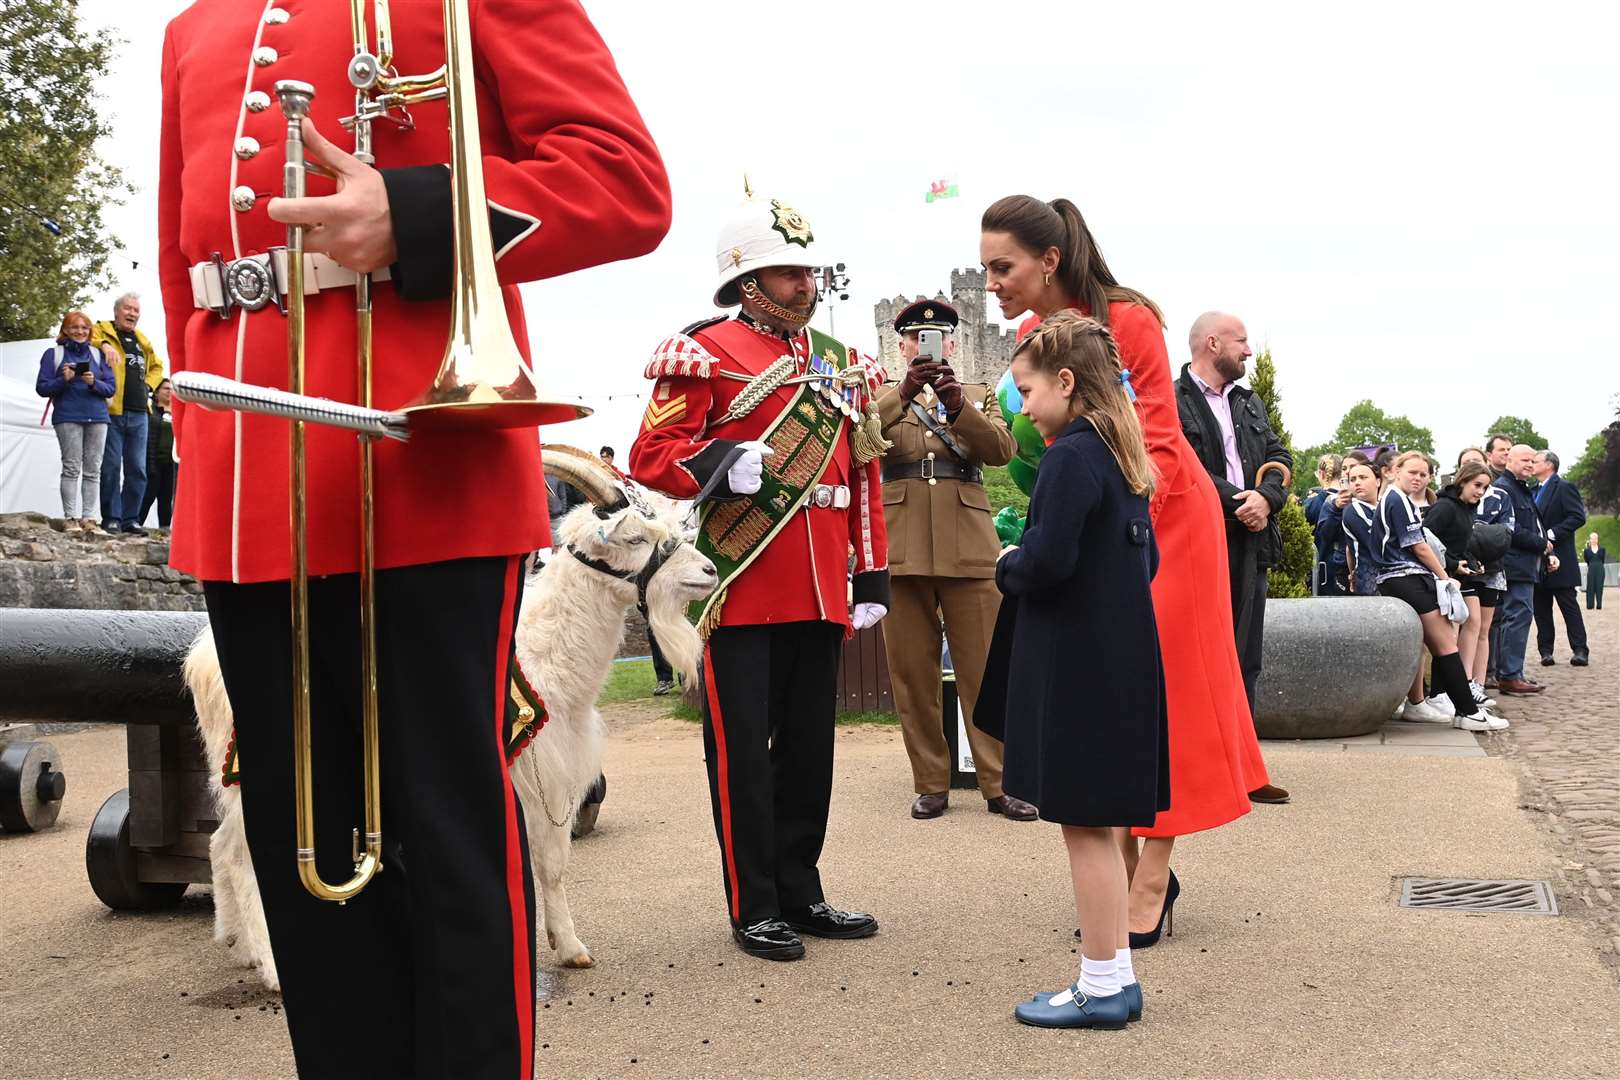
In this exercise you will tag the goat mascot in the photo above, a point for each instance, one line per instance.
(626, 546)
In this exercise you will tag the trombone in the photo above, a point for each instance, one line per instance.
(482, 382)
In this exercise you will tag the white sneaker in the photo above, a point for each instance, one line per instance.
(1443, 703)
(1480, 697)
(1477, 722)
(1399, 710)
(1422, 712)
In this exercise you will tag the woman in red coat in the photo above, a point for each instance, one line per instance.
(1039, 257)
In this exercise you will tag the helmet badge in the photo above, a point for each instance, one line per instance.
(791, 224)
(736, 256)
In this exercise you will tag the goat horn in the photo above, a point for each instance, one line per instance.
(584, 471)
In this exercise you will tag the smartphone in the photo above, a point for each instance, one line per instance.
(81, 366)
(930, 347)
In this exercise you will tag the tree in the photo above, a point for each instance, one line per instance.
(1518, 429)
(1597, 474)
(1264, 384)
(1291, 576)
(53, 247)
(1365, 424)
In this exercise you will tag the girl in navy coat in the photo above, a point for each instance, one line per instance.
(78, 380)
(1080, 583)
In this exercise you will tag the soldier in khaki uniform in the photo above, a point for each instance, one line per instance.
(942, 555)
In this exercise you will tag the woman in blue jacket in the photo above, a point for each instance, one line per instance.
(78, 380)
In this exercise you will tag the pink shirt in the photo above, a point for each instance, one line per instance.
(1220, 403)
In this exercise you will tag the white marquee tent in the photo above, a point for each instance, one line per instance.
(29, 460)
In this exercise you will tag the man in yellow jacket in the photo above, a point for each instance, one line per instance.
(137, 370)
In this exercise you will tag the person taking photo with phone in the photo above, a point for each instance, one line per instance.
(78, 380)
(942, 552)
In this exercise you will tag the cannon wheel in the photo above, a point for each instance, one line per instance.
(111, 863)
(589, 808)
(31, 786)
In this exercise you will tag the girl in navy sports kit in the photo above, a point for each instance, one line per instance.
(1408, 570)
(1358, 516)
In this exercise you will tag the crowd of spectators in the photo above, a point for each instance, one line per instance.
(109, 405)
(1480, 554)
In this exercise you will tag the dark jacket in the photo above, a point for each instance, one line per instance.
(1594, 567)
(1074, 683)
(1452, 522)
(1257, 444)
(1529, 547)
(1562, 512)
(159, 441)
(72, 402)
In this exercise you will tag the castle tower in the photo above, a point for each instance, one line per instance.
(983, 349)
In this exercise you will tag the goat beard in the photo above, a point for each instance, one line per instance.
(677, 639)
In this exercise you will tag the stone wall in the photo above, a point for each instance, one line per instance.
(983, 349)
(43, 567)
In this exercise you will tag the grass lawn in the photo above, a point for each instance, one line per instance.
(632, 680)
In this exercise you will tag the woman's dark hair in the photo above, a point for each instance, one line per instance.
(1383, 461)
(1466, 473)
(1354, 455)
(1038, 225)
(1470, 450)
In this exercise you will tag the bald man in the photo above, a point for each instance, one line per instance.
(1227, 426)
(1528, 550)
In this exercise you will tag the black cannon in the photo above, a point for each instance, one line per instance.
(149, 840)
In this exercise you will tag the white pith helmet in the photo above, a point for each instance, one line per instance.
(761, 233)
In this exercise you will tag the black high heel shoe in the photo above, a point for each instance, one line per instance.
(1167, 920)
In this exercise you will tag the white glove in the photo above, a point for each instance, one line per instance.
(743, 476)
(866, 615)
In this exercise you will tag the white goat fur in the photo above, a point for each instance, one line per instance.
(568, 633)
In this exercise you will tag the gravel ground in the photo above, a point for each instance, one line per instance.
(1289, 959)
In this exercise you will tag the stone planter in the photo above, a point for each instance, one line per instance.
(1334, 666)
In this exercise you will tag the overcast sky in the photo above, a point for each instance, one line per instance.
(1408, 202)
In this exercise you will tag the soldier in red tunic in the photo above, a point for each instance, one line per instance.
(773, 426)
(430, 970)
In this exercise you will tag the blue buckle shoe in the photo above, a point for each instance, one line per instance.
(1079, 1011)
(1133, 1000)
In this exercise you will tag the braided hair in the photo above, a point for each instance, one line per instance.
(1084, 346)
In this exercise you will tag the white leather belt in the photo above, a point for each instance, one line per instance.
(253, 281)
(829, 497)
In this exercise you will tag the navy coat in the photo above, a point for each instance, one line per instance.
(1563, 513)
(72, 402)
(1529, 545)
(1074, 684)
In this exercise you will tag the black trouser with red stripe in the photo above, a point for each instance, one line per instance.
(430, 970)
(769, 697)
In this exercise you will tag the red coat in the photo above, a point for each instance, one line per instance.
(572, 176)
(803, 574)
(1214, 755)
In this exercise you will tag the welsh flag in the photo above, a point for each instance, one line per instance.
(942, 189)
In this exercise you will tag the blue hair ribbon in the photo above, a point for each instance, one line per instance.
(1125, 381)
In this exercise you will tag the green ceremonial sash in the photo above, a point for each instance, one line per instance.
(733, 533)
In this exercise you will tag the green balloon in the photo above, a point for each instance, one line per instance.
(1031, 446)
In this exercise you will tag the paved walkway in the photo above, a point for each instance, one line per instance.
(1566, 741)
(1290, 957)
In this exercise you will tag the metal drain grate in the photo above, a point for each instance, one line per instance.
(1471, 894)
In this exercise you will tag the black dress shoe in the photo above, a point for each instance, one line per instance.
(769, 939)
(1268, 793)
(1580, 659)
(930, 806)
(1013, 809)
(824, 920)
(1547, 661)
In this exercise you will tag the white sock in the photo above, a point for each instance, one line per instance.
(1099, 978)
(1127, 974)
